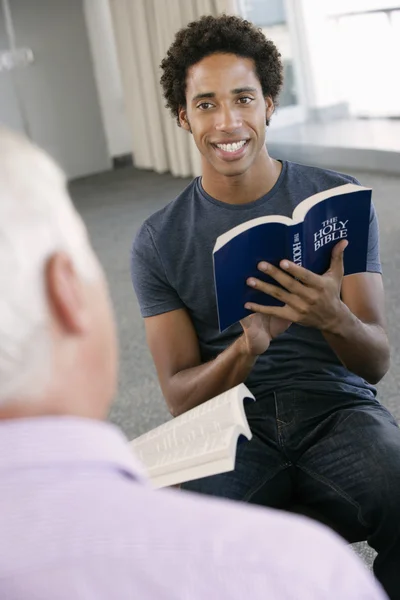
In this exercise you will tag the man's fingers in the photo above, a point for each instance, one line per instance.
(246, 322)
(307, 278)
(271, 290)
(291, 276)
(339, 248)
(337, 257)
(283, 312)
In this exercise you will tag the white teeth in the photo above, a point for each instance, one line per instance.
(232, 147)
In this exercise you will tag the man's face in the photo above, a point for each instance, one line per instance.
(102, 353)
(226, 112)
(85, 351)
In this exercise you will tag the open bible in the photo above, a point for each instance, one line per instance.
(198, 443)
(307, 239)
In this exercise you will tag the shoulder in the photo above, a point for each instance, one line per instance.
(323, 177)
(165, 219)
(231, 545)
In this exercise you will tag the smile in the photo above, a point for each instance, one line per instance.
(233, 151)
(231, 147)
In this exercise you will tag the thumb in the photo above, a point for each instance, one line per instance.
(245, 323)
(337, 257)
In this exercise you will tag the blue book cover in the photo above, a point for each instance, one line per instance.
(307, 239)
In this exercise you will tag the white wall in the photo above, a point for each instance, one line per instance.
(107, 75)
(55, 100)
(335, 7)
(333, 69)
(374, 55)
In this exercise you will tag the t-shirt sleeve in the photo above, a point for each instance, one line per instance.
(154, 292)
(373, 253)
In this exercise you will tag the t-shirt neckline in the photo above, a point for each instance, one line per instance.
(259, 202)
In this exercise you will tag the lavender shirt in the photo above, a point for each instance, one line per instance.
(78, 521)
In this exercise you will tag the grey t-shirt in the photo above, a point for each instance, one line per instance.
(172, 268)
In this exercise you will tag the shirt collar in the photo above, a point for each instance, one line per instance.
(56, 441)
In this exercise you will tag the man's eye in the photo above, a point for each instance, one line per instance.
(204, 105)
(245, 100)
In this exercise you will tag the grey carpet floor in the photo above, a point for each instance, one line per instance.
(115, 204)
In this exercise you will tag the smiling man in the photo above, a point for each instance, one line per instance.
(321, 438)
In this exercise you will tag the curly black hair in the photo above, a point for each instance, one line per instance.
(208, 35)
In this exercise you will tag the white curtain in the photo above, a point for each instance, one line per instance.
(144, 30)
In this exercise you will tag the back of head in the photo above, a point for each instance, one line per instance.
(37, 219)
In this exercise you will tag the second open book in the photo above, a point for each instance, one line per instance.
(199, 443)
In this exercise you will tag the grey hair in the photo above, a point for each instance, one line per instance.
(37, 218)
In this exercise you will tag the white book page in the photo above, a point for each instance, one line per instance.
(203, 434)
(205, 449)
(302, 209)
(203, 457)
(229, 235)
(185, 433)
(298, 214)
(200, 456)
(222, 465)
(211, 417)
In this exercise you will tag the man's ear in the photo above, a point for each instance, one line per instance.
(270, 108)
(66, 295)
(183, 119)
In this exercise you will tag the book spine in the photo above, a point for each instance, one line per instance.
(295, 244)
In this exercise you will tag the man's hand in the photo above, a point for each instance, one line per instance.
(259, 330)
(309, 299)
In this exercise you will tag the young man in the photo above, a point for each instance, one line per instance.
(321, 438)
(77, 519)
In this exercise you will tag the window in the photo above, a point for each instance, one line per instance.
(270, 16)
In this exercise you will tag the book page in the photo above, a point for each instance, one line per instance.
(220, 465)
(201, 450)
(297, 216)
(211, 417)
(180, 463)
(206, 433)
(229, 235)
(186, 431)
(301, 209)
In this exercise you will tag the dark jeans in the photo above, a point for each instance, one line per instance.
(339, 456)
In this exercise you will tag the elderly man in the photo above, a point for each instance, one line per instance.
(77, 519)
